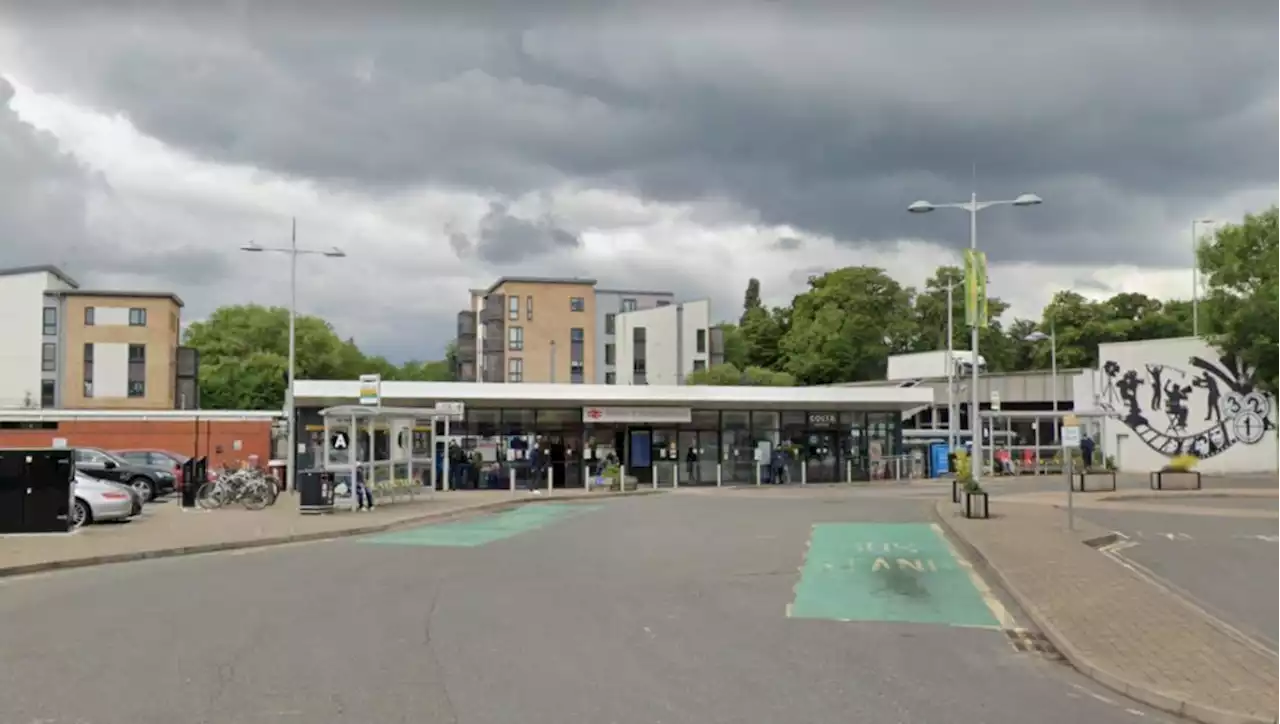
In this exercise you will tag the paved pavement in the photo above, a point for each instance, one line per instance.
(1226, 564)
(667, 609)
(166, 528)
(1107, 619)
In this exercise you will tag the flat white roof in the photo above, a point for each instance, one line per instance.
(326, 393)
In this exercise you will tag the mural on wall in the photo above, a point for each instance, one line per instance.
(1157, 401)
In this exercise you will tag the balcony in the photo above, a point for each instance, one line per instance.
(494, 309)
(494, 344)
(466, 325)
(466, 352)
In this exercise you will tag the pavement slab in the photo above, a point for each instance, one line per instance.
(1113, 624)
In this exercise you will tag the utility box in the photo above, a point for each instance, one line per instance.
(36, 490)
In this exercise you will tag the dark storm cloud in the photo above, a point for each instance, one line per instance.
(1124, 116)
(788, 243)
(504, 240)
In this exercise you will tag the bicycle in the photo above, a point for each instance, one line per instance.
(249, 487)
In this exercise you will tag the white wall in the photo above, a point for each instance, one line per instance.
(670, 342)
(110, 370)
(1224, 418)
(22, 334)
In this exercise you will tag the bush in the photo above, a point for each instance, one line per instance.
(964, 473)
(1110, 463)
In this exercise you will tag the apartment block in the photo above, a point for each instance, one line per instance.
(609, 304)
(663, 345)
(73, 348)
(529, 329)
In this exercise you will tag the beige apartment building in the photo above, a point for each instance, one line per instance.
(119, 350)
(529, 329)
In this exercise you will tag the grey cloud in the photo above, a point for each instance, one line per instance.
(788, 243)
(503, 239)
(829, 121)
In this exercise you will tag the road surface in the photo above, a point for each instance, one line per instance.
(674, 609)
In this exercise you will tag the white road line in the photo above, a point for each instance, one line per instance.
(997, 608)
(1094, 695)
(1135, 712)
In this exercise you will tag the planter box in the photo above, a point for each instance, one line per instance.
(1175, 480)
(1093, 481)
(976, 505)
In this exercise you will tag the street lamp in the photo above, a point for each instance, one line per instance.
(973, 206)
(1052, 336)
(294, 252)
(1195, 273)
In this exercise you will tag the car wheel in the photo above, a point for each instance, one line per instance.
(81, 515)
(146, 490)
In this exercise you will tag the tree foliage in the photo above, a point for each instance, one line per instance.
(244, 357)
(730, 375)
(846, 324)
(1239, 265)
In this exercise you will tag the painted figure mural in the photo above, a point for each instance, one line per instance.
(1157, 401)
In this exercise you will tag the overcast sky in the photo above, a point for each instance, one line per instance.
(645, 144)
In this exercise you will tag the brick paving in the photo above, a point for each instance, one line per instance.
(1116, 622)
(165, 526)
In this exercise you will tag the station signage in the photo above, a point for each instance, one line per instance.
(656, 415)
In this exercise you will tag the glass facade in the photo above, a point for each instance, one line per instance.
(778, 445)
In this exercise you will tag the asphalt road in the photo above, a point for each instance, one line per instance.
(668, 609)
(1228, 565)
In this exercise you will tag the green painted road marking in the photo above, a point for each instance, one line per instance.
(886, 572)
(483, 530)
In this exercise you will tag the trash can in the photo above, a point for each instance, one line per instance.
(315, 492)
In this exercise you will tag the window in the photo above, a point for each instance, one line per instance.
(513, 308)
(664, 302)
(50, 321)
(49, 357)
(515, 338)
(137, 370)
(637, 365)
(610, 354)
(528, 308)
(137, 317)
(48, 396)
(610, 323)
(88, 316)
(628, 305)
(515, 370)
(699, 365)
(89, 457)
(576, 334)
(611, 378)
(577, 304)
(88, 369)
(702, 341)
(637, 335)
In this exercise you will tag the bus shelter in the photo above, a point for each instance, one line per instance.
(384, 446)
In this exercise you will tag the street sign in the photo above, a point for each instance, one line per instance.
(452, 410)
(338, 441)
(1070, 420)
(1071, 436)
(995, 401)
(371, 389)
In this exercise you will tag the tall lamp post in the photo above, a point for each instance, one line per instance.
(1052, 336)
(1195, 273)
(294, 252)
(973, 206)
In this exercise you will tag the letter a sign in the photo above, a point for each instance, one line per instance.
(338, 441)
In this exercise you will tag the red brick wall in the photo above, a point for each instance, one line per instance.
(215, 438)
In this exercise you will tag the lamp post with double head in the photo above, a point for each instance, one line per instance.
(973, 206)
(290, 411)
(1052, 336)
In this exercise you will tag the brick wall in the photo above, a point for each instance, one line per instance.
(215, 438)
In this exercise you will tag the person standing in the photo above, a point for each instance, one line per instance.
(1086, 450)
(691, 465)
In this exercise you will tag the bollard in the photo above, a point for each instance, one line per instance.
(675, 475)
(551, 473)
(804, 474)
(719, 476)
(848, 471)
(758, 474)
(656, 474)
(622, 477)
(586, 478)
(511, 474)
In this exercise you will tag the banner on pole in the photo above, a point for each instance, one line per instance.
(975, 288)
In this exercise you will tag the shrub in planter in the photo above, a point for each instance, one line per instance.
(1110, 463)
(1181, 464)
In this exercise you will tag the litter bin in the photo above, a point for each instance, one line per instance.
(315, 492)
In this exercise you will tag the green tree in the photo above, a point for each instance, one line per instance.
(729, 375)
(1239, 265)
(734, 345)
(750, 300)
(931, 320)
(846, 325)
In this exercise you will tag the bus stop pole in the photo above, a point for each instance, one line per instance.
(447, 479)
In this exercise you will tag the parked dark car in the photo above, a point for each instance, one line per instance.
(161, 459)
(148, 480)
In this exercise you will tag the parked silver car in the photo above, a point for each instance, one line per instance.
(99, 500)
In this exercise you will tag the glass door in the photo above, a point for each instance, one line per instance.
(822, 458)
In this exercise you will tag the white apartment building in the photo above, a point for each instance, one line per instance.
(661, 346)
(24, 324)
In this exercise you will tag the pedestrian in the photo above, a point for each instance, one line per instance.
(1086, 451)
(691, 465)
(364, 495)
